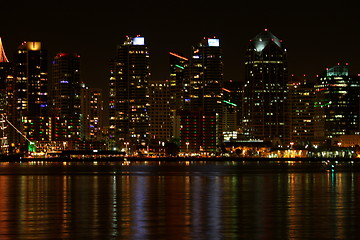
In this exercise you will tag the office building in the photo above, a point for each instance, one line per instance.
(29, 93)
(203, 98)
(92, 114)
(232, 109)
(64, 97)
(265, 90)
(129, 96)
(301, 104)
(5, 75)
(160, 116)
(336, 104)
(179, 89)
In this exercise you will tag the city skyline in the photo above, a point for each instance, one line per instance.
(198, 120)
(316, 37)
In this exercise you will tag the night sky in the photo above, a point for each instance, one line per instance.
(316, 36)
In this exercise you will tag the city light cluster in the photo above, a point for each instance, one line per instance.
(195, 112)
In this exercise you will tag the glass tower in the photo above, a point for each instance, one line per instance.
(201, 119)
(30, 93)
(265, 89)
(64, 91)
(129, 97)
(337, 103)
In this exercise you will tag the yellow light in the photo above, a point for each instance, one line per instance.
(33, 46)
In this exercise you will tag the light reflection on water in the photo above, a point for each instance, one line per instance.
(187, 200)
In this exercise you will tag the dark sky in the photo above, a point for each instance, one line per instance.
(316, 36)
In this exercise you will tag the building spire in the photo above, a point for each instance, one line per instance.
(3, 57)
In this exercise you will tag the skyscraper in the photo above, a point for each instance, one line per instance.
(337, 103)
(5, 74)
(160, 124)
(265, 89)
(203, 98)
(92, 114)
(129, 96)
(179, 71)
(64, 93)
(232, 107)
(30, 85)
(301, 113)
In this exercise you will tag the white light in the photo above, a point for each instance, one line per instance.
(213, 42)
(138, 41)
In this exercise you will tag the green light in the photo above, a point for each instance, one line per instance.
(179, 66)
(32, 147)
(230, 103)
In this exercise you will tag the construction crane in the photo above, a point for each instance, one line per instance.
(32, 147)
(3, 138)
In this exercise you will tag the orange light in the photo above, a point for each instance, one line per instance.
(176, 55)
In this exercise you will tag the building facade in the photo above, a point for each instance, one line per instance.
(336, 104)
(29, 95)
(203, 97)
(178, 86)
(265, 90)
(301, 104)
(6, 74)
(64, 97)
(129, 96)
(160, 115)
(92, 114)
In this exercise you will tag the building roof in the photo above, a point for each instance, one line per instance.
(263, 39)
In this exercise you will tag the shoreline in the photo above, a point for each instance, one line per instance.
(171, 159)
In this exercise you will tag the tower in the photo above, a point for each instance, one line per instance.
(5, 75)
(160, 124)
(203, 105)
(64, 93)
(179, 70)
(265, 89)
(92, 112)
(30, 85)
(129, 96)
(301, 113)
(337, 103)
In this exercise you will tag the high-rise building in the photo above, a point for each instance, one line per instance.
(301, 112)
(337, 103)
(129, 96)
(203, 98)
(5, 75)
(179, 66)
(29, 93)
(178, 72)
(64, 97)
(160, 124)
(265, 89)
(92, 114)
(232, 109)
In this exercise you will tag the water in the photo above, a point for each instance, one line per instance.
(179, 200)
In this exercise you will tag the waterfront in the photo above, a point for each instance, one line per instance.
(181, 200)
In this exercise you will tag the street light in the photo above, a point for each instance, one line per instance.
(187, 146)
(126, 148)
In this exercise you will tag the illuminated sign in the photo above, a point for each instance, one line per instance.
(138, 41)
(213, 42)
